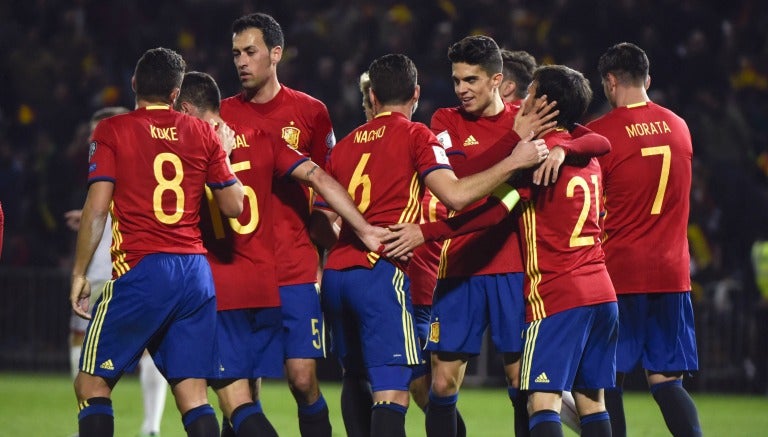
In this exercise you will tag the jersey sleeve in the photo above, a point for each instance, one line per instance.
(323, 137)
(429, 154)
(490, 213)
(586, 143)
(286, 159)
(101, 154)
(219, 174)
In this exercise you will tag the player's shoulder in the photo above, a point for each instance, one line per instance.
(302, 99)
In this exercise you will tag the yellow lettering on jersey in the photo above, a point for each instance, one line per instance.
(240, 142)
(163, 133)
(650, 128)
(364, 136)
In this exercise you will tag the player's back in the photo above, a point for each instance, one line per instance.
(159, 161)
(564, 261)
(382, 164)
(241, 249)
(647, 178)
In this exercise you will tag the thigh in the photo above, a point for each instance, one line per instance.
(303, 324)
(506, 307)
(459, 316)
(670, 334)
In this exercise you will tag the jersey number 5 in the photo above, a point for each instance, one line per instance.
(250, 201)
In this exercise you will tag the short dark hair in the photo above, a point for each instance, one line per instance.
(201, 90)
(477, 50)
(270, 28)
(627, 62)
(518, 67)
(157, 73)
(393, 78)
(568, 87)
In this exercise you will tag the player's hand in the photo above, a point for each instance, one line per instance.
(80, 296)
(226, 135)
(537, 116)
(72, 218)
(548, 170)
(529, 152)
(372, 237)
(403, 238)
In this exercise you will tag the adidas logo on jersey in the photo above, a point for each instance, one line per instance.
(542, 379)
(107, 365)
(470, 141)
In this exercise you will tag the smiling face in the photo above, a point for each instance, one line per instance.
(256, 64)
(475, 89)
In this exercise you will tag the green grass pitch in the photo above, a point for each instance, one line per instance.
(44, 405)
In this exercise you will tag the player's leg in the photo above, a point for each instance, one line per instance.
(633, 313)
(153, 391)
(569, 415)
(670, 352)
(506, 308)
(457, 326)
(77, 326)
(356, 396)
(304, 333)
(390, 400)
(421, 380)
(590, 404)
(244, 415)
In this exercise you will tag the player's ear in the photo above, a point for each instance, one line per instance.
(133, 83)
(174, 95)
(276, 54)
(647, 81)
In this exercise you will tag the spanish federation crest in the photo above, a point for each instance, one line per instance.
(291, 136)
(434, 332)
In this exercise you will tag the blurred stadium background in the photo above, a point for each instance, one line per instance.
(62, 60)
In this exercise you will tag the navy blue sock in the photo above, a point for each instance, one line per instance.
(201, 421)
(226, 428)
(249, 419)
(678, 408)
(520, 404)
(441, 416)
(96, 418)
(356, 403)
(313, 419)
(545, 423)
(388, 420)
(614, 403)
(596, 425)
(461, 427)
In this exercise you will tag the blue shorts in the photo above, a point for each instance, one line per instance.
(166, 304)
(572, 349)
(370, 315)
(303, 325)
(659, 328)
(421, 314)
(462, 308)
(249, 343)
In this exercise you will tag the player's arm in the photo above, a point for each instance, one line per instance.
(338, 199)
(323, 227)
(457, 193)
(228, 197)
(584, 143)
(92, 222)
(405, 237)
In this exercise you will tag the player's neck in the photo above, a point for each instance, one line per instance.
(142, 103)
(626, 96)
(406, 109)
(266, 93)
(494, 108)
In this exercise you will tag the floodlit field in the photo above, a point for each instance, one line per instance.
(44, 405)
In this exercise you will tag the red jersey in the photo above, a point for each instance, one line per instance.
(382, 163)
(647, 198)
(422, 269)
(241, 250)
(496, 249)
(564, 262)
(159, 161)
(303, 123)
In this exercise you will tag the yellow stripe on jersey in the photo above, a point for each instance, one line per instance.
(442, 268)
(373, 258)
(530, 344)
(412, 211)
(532, 261)
(507, 195)
(637, 105)
(412, 354)
(91, 344)
(118, 255)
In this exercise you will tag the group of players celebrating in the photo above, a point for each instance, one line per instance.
(504, 214)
